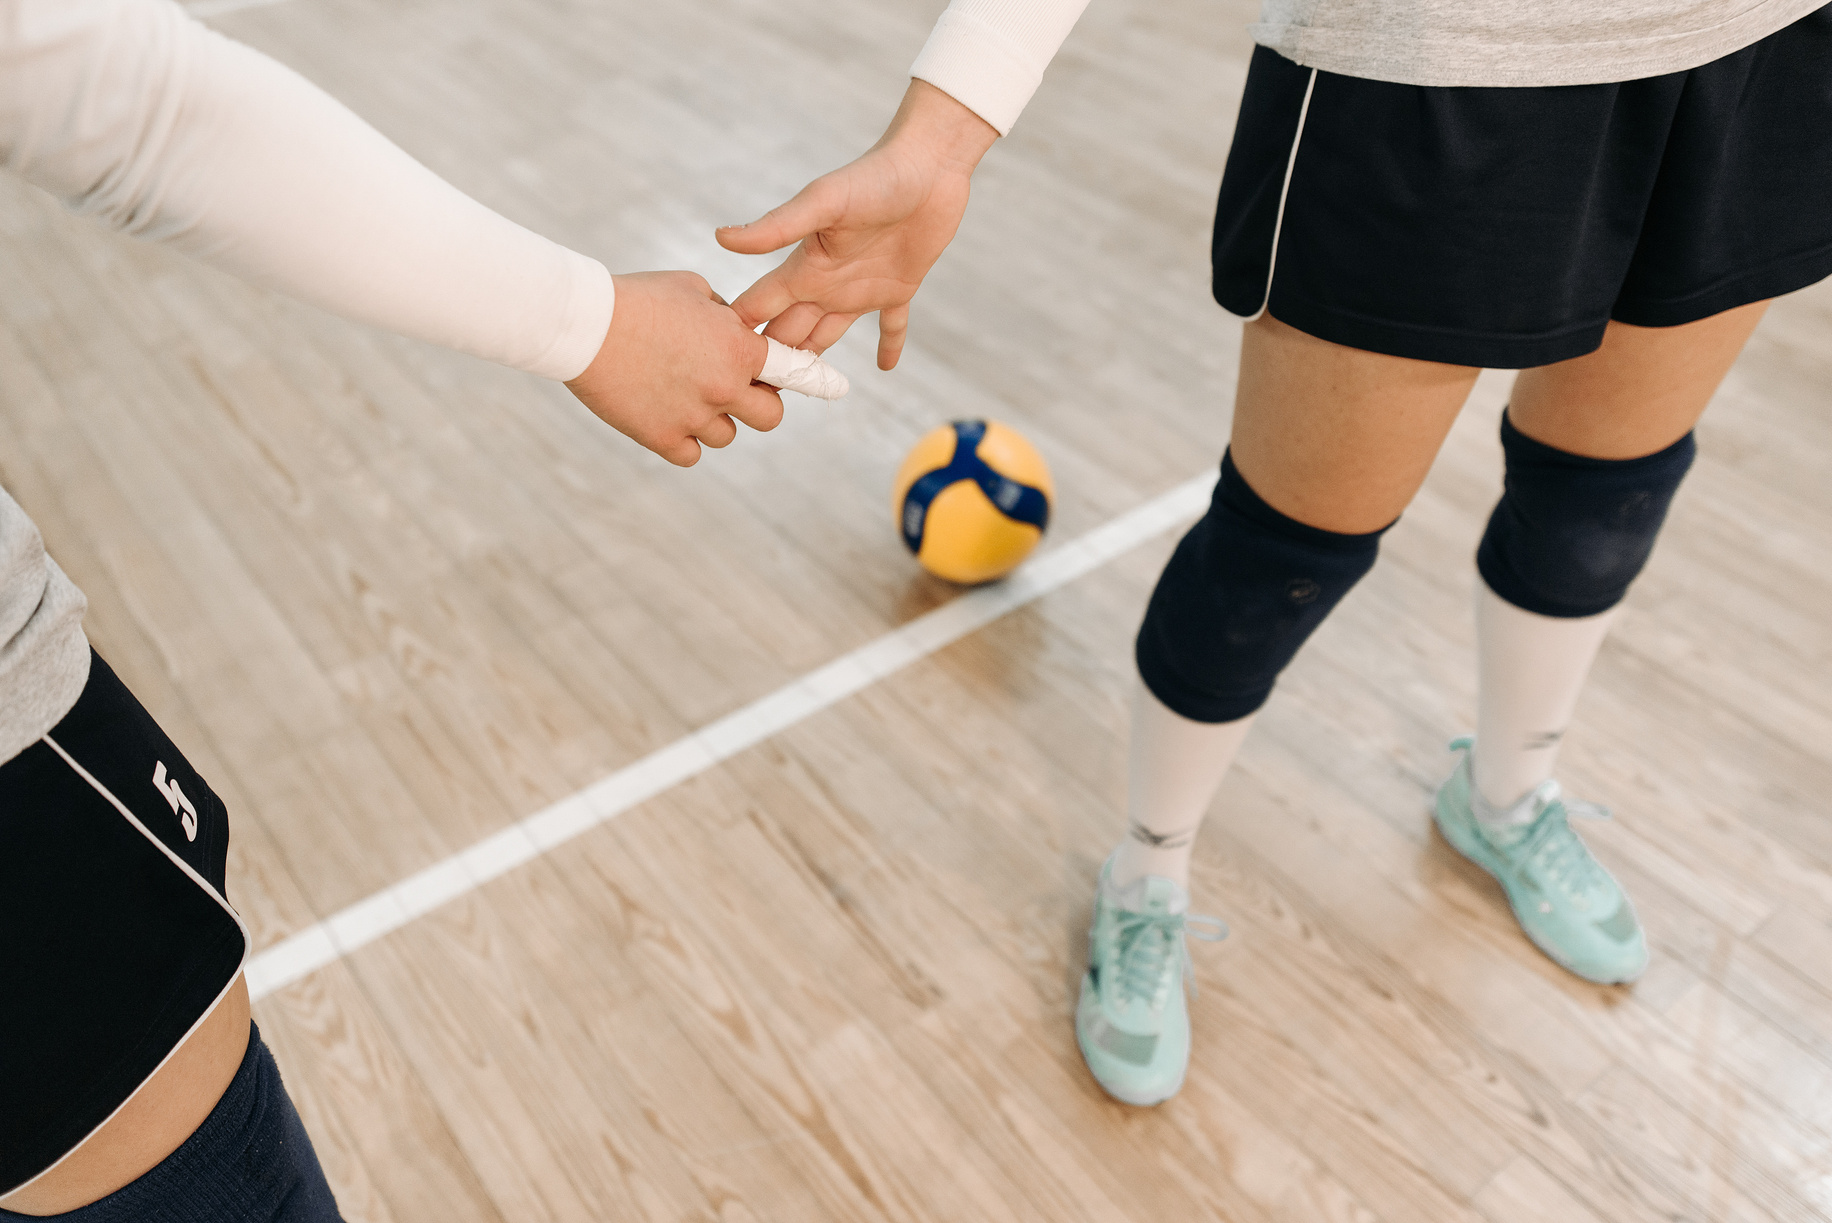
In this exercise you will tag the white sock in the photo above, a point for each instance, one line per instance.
(1530, 670)
(1174, 769)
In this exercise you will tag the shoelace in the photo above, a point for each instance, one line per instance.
(1562, 857)
(1145, 942)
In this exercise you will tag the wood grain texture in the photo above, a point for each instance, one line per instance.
(390, 599)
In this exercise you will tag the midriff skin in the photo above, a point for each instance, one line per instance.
(166, 1110)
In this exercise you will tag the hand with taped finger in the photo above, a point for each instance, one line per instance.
(678, 369)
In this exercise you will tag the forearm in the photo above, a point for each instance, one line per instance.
(946, 130)
(133, 113)
(990, 55)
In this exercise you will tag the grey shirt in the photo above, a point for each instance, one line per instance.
(44, 657)
(990, 54)
(1517, 42)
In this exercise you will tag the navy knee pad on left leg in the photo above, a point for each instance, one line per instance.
(1570, 533)
(1246, 587)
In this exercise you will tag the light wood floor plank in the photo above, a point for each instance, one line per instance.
(391, 599)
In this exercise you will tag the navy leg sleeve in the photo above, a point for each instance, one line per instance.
(1243, 591)
(1570, 533)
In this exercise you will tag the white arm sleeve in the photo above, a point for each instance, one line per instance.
(130, 111)
(989, 55)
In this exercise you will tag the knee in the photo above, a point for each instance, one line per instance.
(1245, 588)
(1571, 533)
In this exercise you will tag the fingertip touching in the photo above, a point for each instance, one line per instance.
(756, 353)
(763, 301)
(795, 324)
(828, 331)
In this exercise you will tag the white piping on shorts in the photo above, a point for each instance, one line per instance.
(200, 881)
(1285, 189)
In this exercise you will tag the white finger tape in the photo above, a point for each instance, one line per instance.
(795, 369)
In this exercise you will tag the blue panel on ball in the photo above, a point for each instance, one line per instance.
(1018, 502)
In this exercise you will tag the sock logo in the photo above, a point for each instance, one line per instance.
(1544, 740)
(1160, 840)
(176, 798)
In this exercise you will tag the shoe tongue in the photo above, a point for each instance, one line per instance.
(1152, 894)
(1507, 827)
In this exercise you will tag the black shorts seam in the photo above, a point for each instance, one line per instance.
(1449, 345)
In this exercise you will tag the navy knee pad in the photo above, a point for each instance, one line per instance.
(1570, 533)
(1243, 591)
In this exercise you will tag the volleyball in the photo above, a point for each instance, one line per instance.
(972, 499)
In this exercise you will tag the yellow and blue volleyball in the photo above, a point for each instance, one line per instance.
(972, 499)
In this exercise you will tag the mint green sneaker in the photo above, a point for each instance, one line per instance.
(1132, 1023)
(1570, 907)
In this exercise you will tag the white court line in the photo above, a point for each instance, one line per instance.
(388, 910)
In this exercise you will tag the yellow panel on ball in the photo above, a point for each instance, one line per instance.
(972, 500)
(1010, 453)
(968, 541)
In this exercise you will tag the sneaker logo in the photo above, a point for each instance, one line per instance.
(176, 798)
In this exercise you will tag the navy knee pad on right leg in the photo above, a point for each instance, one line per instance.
(1246, 587)
(1570, 533)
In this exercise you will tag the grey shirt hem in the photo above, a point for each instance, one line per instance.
(42, 680)
(44, 656)
(1446, 54)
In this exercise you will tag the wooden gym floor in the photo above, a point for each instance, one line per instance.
(390, 600)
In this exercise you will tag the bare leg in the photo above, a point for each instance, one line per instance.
(1341, 439)
(154, 1123)
(1638, 394)
(1336, 438)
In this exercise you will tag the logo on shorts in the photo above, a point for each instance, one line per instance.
(175, 796)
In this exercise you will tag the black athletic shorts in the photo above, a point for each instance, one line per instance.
(251, 1161)
(1505, 227)
(115, 936)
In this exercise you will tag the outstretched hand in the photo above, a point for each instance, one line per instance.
(676, 367)
(869, 231)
